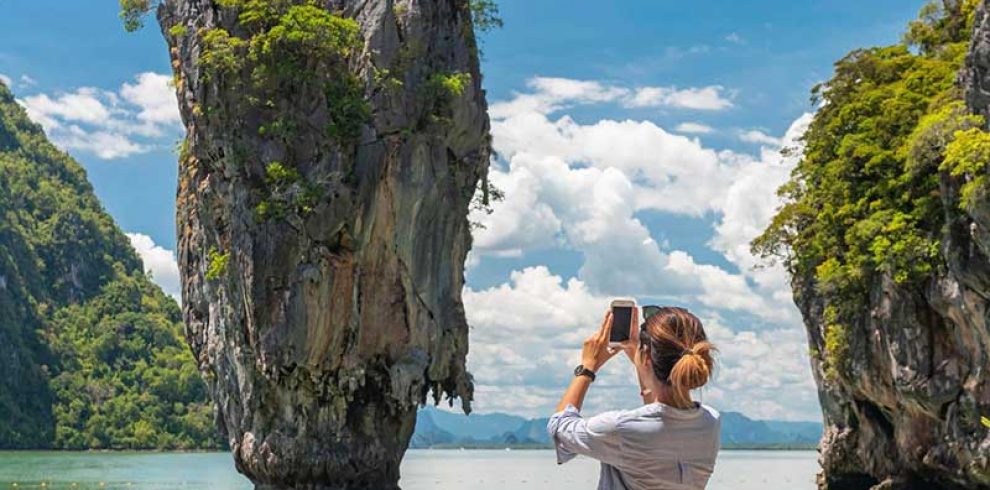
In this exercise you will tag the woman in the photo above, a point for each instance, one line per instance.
(671, 441)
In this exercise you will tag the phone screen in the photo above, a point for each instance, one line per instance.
(621, 318)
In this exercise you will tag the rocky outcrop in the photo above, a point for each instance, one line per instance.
(322, 210)
(908, 414)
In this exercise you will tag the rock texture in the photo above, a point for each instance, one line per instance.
(320, 330)
(910, 417)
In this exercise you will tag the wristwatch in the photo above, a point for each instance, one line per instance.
(583, 371)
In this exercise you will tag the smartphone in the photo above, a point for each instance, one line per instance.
(622, 311)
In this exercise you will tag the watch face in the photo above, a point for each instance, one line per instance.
(578, 370)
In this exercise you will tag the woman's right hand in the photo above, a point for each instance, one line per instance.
(596, 351)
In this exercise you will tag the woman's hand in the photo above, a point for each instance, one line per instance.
(596, 351)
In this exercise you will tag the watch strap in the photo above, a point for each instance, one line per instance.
(583, 371)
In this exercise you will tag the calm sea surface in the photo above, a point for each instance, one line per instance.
(422, 469)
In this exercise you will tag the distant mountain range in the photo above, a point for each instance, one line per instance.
(442, 429)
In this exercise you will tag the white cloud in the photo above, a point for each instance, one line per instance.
(548, 95)
(735, 38)
(6, 80)
(711, 98)
(683, 174)
(757, 136)
(578, 186)
(693, 128)
(85, 105)
(522, 223)
(749, 205)
(591, 210)
(155, 98)
(27, 81)
(104, 144)
(521, 355)
(107, 124)
(159, 262)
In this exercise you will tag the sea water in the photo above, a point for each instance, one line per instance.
(432, 469)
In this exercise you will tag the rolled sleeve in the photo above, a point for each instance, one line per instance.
(595, 437)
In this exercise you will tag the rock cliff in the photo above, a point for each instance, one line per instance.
(895, 294)
(333, 149)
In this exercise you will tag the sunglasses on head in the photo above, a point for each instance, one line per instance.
(648, 311)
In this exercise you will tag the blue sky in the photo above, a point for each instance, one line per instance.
(638, 144)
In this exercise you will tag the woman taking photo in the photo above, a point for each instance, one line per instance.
(671, 442)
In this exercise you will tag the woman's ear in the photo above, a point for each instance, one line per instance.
(643, 359)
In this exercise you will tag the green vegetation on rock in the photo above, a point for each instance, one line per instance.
(288, 45)
(485, 15)
(864, 201)
(91, 351)
(285, 192)
(217, 264)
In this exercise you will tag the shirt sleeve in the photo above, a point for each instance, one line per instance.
(596, 437)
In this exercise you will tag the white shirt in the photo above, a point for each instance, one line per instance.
(654, 447)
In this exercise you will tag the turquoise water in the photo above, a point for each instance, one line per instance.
(421, 470)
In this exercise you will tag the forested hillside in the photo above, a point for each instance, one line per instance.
(91, 352)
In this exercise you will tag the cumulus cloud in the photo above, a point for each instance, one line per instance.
(155, 100)
(108, 124)
(711, 98)
(5, 80)
(159, 262)
(521, 355)
(693, 128)
(580, 186)
(749, 205)
(757, 136)
(547, 95)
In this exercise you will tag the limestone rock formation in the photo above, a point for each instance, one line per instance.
(333, 150)
(907, 414)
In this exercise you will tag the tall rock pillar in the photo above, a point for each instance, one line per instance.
(333, 149)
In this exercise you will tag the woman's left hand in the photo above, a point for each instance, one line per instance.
(596, 351)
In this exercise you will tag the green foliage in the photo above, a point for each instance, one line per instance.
(485, 15)
(126, 378)
(439, 93)
(132, 13)
(289, 45)
(451, 84)
(304, 40)
(285, 193)
(221, 53)
(178, 30)
(865, 199)
(216, 264)
(934, 133)
(940, 23)
(836, 350)
(347, 107)
(967, 155)
(92, 351)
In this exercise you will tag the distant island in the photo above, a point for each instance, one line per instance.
(440, 429)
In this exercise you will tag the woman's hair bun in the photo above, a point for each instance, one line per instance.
(694, 368)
